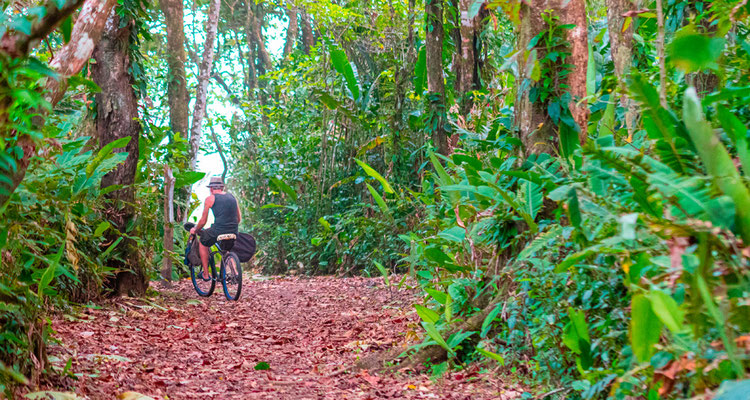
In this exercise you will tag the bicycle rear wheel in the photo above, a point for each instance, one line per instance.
(231, 276)
(204, 287)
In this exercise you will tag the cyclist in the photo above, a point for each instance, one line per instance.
(227, 217)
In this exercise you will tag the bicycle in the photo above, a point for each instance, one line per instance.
(230, 270)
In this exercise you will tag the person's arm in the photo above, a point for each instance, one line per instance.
(204, 217)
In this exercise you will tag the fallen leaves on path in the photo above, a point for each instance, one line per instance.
(287, 338)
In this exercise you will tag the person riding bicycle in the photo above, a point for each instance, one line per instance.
(227, 217)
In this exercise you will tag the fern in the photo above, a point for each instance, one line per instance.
(540, 242)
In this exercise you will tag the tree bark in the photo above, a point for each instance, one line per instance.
(204, 75)
(177, 93)
(166, 265)
(264, 63)
(308, 39)
(435, 81)
(621, 45)
(536, 130)
(466, 57)
(70, 60)
(292, 30)
(251, 53)
(117, 117)
(574, 12)
(178, 97)
(660, 53)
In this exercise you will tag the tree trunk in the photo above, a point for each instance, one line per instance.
(292, 31)
(117, 117)
(252, 75)
(166, 265)
(264, 64)
(177, 92)
(621, 45)
(178, 98)
(574, 12)
(308, 40)
(67, 61)
(536, 130)
(435, 82)
(204, 75)
(466, 65)
(660, 53)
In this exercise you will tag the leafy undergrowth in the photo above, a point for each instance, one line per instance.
(286, 338)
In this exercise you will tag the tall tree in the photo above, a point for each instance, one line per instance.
(435, 80)
(117, 118)
(264, 63)
(537, 130)
(466, 65)
(205, 69)
(573, 12)
(621, 45)
(535, 126)
(177, 93)
(179, 119)
(292, 29)
(308, 39)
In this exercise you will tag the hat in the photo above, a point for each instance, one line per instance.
(215, 181)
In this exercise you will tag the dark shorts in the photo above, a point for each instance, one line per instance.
(208, 237)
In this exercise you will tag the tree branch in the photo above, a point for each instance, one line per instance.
(18, 44)
(226, 87)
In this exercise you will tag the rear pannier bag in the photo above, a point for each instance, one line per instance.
(244, 247)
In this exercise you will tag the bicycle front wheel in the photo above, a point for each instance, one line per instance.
(204, 287)
(231, 276)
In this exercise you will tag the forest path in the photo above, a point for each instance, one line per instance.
(180, 346)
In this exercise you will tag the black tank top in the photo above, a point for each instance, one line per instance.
(225, 213)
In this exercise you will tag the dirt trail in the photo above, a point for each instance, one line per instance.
(181, 346)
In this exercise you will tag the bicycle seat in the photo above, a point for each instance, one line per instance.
(226, 241)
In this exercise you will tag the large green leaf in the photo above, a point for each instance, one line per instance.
(591, 72)
(607, 123)
(692, 51)
(105, 152)
(489, 354)
(49, 273)
(532, 198)
(694, 198)
(281, 185)
(645, 327)
(439, 296)
(370, 171)
(737, 131)
(666, 308)
(341, 64)
(433, 333)
(383, 272)
(379, 200)
(576, 337)
(426, 314)
(717, 160)
(187, 178)
(420, 72)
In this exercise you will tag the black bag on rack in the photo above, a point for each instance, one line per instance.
(244, 247)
